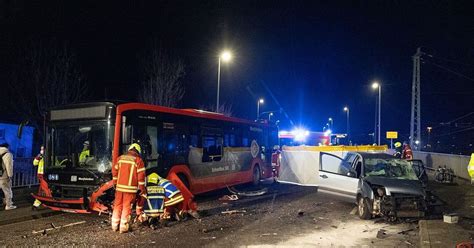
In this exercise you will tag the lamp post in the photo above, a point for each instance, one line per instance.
(260, 101)
(269, 116)
(225, 56)
(429, 134)
(346, 109)
(331, 122)
(376, 85)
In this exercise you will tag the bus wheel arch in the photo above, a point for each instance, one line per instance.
(184, 179)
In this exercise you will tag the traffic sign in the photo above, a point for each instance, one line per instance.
(392, 135)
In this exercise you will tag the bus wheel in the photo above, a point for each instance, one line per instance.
(256, 175)
(184, 180)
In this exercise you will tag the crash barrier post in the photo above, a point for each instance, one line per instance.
(24, 173)
(432, 160)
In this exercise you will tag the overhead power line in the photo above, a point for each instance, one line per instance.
(450, 70)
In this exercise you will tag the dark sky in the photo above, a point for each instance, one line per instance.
(315, 56)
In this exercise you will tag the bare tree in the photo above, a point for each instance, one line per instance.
(44, 77)
(162, 83)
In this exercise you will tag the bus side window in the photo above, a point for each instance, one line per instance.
(211, 148)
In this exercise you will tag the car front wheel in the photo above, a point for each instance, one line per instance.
(364, 209)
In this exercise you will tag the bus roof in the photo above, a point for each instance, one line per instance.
(187, 112)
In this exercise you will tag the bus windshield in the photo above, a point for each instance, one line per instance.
(84, 146)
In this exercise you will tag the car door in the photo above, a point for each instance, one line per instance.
(336, 177)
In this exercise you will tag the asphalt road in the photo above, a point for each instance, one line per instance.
(286, 216)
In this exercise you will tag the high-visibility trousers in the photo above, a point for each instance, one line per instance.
(42, 185)
(122, 210)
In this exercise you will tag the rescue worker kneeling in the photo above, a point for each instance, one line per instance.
(162, 201)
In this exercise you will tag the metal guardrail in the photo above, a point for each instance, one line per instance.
(24, 173)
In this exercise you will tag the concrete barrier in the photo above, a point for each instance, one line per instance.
(433, 160)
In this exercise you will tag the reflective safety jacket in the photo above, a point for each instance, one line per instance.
(172, 193)
(155, 199)
(39, 161)
(129, 173)
(83, 156)
(470, 167)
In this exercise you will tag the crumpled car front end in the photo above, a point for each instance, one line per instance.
(395, 198)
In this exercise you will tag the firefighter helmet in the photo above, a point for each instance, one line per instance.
(136, 147)
(153, 178)
(398, 144)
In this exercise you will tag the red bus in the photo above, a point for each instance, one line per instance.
(205, 150)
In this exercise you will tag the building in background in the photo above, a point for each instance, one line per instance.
(20, 148)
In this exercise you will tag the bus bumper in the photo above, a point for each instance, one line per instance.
(65, 205)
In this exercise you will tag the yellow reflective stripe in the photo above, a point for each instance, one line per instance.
(156, 197)
(141, 183)
(126, 186)
(142, 169)
(114, 178)
(126, 190)
(132, 167)
(174, 201)
(173, 194)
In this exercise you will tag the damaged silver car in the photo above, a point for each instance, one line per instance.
(380, 184)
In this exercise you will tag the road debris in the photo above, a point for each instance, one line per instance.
(248, 193)
(234, 211)
(43, 231)
(229, 198)
(300, 213)
(406, 231)
(381, 234)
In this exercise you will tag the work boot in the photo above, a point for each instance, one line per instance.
(115, 228)
(11, 207)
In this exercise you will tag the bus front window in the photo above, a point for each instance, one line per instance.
(83, 146)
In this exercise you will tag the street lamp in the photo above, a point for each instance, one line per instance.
(225, 56)
(346, 109)
(429, 134)
(269, 116)
(376, 85)
(260, 101)
(331, 122)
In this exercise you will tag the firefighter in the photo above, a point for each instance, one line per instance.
(407, 152)
(153, 203)
(129, 178)
(38, 161)
(85, 152)
(398, 150)
(470, 168)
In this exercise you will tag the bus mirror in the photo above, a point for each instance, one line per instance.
(20, 129)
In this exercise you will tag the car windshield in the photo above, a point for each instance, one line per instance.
(85, 146)
(392, 168)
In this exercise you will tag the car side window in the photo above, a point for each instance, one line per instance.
(333, 164)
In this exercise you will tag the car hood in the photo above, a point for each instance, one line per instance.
(400, 186)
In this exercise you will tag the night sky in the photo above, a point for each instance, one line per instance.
(315, 56)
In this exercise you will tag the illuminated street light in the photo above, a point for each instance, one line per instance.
(225, 56)
(346, 109)
(270, 115)
(331, 121)
(375, 86)
(260, 101)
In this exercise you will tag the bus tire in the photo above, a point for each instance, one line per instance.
(184, 180)
(256, 175)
